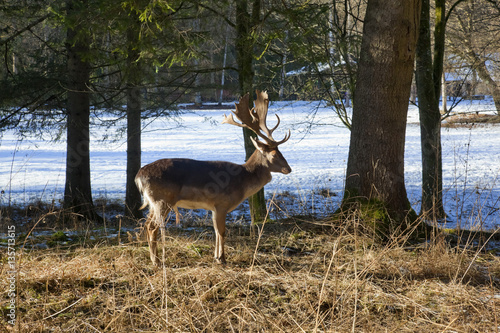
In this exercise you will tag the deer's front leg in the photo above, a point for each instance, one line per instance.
(219, 218)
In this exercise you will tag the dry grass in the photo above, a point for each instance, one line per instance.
(294, 276)
(469, 119)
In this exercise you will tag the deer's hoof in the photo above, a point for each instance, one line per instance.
(220, 261)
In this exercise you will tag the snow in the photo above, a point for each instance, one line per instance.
(34, 170)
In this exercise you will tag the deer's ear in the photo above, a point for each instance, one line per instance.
(258, 145)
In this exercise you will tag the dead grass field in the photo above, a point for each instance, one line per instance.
(288, 276)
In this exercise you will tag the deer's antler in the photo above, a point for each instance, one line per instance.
(255, 119)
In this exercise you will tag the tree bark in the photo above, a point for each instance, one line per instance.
(484, 74)
(77, 192)
(245, 22)
(428, 79)
(375, 167)
(133, 92)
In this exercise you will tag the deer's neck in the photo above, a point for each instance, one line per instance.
(258, 173)
(258, 165)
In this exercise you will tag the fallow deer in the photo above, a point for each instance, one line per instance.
(212, 185)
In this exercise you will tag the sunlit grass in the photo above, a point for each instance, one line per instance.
(291, 275)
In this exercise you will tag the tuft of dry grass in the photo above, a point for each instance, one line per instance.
(291, 276)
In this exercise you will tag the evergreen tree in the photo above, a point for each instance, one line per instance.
(246, 22)
(77, 192)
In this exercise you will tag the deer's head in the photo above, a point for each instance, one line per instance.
(255, 120)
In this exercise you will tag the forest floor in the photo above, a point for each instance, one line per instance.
(291, 275)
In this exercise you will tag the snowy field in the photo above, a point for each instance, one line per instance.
(33, 170)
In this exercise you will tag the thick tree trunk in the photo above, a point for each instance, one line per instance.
(77, 192)
(375, 168)
(132, 194)
(428, 79)
(244, 59)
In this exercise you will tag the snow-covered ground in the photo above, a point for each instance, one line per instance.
(32, 169)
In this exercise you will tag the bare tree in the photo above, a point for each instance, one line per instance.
(474, 36)
(429, 70)
(375, 167)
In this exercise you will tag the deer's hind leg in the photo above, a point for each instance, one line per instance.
(152, 234)
(177, 216)
(219, 219)
(155, 220)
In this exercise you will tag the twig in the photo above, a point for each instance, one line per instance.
(66, 308)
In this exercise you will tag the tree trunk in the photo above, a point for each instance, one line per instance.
(244, 58)
(484, 74)
(133, 91)
(77, 192)
(428, 78)
(375, 167)
(471, 48)
(444, 95)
